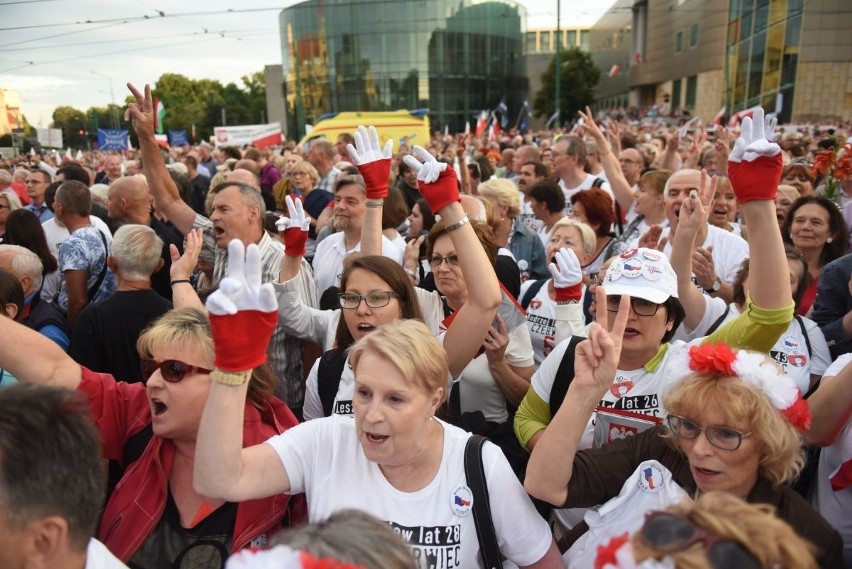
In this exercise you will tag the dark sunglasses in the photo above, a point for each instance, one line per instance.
(669, 533)
(172, 371)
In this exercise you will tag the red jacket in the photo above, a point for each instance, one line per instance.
(136, 506)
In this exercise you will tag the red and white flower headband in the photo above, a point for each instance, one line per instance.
(755, 369)
(618, 554)
(282, 557)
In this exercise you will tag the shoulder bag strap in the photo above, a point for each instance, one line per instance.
(90, 294)
(474, 472)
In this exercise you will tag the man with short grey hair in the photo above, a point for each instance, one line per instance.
(321, 157)
(105, 337)
(42, 316)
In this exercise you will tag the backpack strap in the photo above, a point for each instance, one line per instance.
(474, 473)
(718, 322)
(564, 375)
(804, 334)
(90, 294)
(533, 289)
(329, 370)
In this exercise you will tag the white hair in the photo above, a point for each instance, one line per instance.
(136, 250)
(25, 263)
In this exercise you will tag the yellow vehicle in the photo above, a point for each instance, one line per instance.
(409, 127)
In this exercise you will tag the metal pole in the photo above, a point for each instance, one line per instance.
(113, 108)
(558, 52)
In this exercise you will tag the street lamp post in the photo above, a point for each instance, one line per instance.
(558, 52)
(112, 98)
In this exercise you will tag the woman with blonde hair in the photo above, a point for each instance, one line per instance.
(9, 202)
(523, 242)
(717, 530)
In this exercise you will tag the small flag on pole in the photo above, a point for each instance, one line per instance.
(159, 115)
(553, 118)
(614, 70)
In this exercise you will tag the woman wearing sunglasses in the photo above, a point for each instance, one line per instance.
(376, 290)
(154, 516)
(717, 531)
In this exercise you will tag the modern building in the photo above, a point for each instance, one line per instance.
(790, 56)
(455, 57)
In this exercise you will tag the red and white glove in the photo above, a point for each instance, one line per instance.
(754, 165)
(372, 161)
(243, 312)
(437, 183)
(567, 275)
(295, 228)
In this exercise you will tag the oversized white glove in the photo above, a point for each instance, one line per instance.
(754, 165)
(567, 275)
(372, 161)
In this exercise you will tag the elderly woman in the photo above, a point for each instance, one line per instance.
(784, 201)
(546, 300)
(731, 426)
(522, 241)
(396, 460)
(9, 202)
(723, 213)
(816, 227)
(304, 178)
(155, 516)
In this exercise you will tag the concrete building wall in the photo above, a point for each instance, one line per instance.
(276, 108)
(823, 92)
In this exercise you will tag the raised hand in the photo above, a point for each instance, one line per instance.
(596, 359)
(184, 265)
(243, 312)
(436, 182)
(294, 228)
(141, 113)
(567, 275)
(592, 128)
(372, 161)
(754, 165)
(695, 208)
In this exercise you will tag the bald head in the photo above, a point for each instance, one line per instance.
(244, 176)
(472, 207)
(129, 199)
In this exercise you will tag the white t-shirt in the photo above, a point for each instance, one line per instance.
(324, 459)
(342, 405)
(835, 506)
(328, 260)
(541, 320)
(584, 185)
(729, 251)
(790, 351)
(478, 391)
(99, 557)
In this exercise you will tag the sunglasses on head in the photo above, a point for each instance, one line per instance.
(172, 371)
(670, 533)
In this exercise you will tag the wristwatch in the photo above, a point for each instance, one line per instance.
(717, 284)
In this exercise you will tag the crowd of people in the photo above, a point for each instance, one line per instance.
(618, 344)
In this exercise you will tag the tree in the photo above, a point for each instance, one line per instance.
(578, 76)
(73, 122)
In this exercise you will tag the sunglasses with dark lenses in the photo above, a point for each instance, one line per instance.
(640, 306)
(172, 371)
(720, 437)
(375, 299)
(670, 533)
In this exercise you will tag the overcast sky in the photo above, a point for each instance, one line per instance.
(81, 52)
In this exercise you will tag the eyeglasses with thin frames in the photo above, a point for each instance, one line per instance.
(720, 437)
(375, 299)
(436, 261)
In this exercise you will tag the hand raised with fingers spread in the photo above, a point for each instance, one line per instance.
(436, 182)
(754, 165)
(372, 161)
(295, 228)
(184, 265)
(596, 359)
(141, 113)
(592, 128)
(243, 312)
(695, 208)
(567, 276)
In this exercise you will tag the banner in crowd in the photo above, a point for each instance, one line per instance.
(49, 137)
(259, 135)
(178, 138)
(112, 139)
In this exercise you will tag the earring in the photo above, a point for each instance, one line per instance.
(829, 240)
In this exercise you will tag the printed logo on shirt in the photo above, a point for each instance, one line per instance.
(795, 358)
(790, 343)
(433, 546)
(343, 408)
(646, 404)
(461, 501)
(621, 386)
(535, 304)
(651, 478)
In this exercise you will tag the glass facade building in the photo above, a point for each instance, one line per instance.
(763, 46)
(455, 57)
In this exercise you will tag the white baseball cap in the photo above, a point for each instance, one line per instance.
(642, 273)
